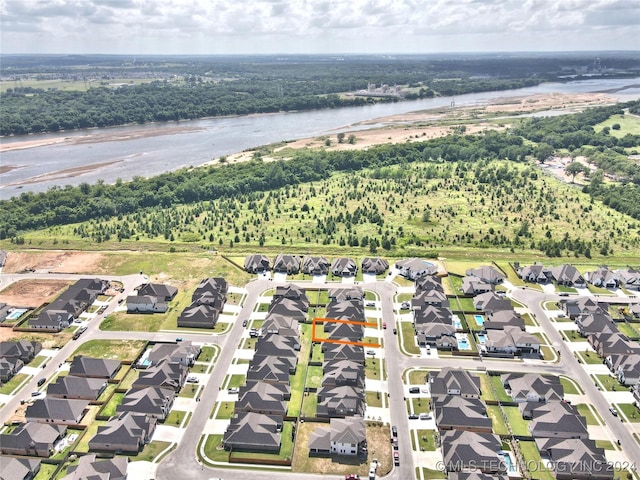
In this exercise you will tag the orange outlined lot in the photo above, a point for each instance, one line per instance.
(314, 338)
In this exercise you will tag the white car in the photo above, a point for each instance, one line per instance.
(233, 390)
(193, 380)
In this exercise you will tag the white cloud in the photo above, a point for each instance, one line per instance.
(269, 26)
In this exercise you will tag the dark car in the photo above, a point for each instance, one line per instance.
(414, 416)
(395, 331)
(414, 390)
(244, 323)
(394, 431)
(41, 382)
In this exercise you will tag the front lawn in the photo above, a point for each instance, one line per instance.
(573, 336)
(630, 411)
(426, 440)
(36, 362)
(372, 368)
(610, 383)
(420, 405)
(175, 418)
(374, 399)
(225, 411)
(409, 344)
(11, 385)
(569, 386)
(592, 417)
(213, 449)
(150, 451)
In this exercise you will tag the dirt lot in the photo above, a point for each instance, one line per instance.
(32, 293)
(52, 261)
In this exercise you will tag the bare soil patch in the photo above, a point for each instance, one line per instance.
(52, 261)
(32, 293)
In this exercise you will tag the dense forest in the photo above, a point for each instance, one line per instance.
(196, 87)
(100, 202)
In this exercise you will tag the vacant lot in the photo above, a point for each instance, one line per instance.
(52, 261)
(32, 293)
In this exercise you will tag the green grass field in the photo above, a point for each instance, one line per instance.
(629, 124)
(125, 350)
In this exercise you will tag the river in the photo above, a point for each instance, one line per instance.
(146, 150)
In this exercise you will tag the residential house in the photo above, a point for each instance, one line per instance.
(498, 342)
(349, 293)
(184, 352)
(453, 412)
(57, 411)
(289, 308)
(374, 265)
(603, 278)
(91, 468)
(340, 401)
(254, 432)
(315, 265)
(160, 290)
(453, 381)
(629, 278)
(146, 304)
(82, 366)
(532, 387)
(14, 468)
(428, 314)
(51, 320)
(433, 333)
(346, 310)
(293, 292)
(606, 344)
(165, 374)
(575, 458)
(425, 298)
(344, 267)
(499, 319)
(428, 282)
(597, 322)
(32, 439)
(263, 397)
(343, 436)
(257, 263)
(126, 433)
(491, 302)
(4, 311)
(487, 273)
(270, 369)
(535, 273)
(22, 349)
(510, 341)
(278, 345)
(280, 325)
(9, 367)
(70, 386)
(413, 268)
(474, 286)
(557, 420)
(286, 264)
(342, 372)
(575, 307)
(154, 402)
(335, 351)
(212, 285)
(199, 316)
(625, 366)
(339, 330)
(568, 276)
(470, 451)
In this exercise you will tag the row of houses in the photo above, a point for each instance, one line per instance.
(69, 305)
(207, 302)
(619, 353)
(568, 275)
(14, 355)
(314, 265)
(259, 413)
(466, 433)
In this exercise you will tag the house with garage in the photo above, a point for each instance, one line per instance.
(51, 320)
(342, 372)
(162, 291)
(83, 366)
(280, 325)
(210, 285)
(278, 346)
(629, 278)
(428, 282)
(339, 330)
(575, 458)
(126, 433)
(474, 286)
(32, 439)
(9, 367)
(597, 322)
(567, 275)
(511, 341)
(340, 401)
(343, 436)
(22, 349)
(626, 367)
(374, 265)
(344, 267)
(199, 316)
(346, 310)
(285, 263)
(349, 293)
(471, 451)
(289, 308)
(293, 292)
(253, 432)
(606, 344)
(184, 352)
(453, 381)
(536, 273)
(454, 412)
(154, 402)
(491, 302)
(427, 314)
(557, 420)
(336, 351)
(146, 304)
(435, 333)
(268, 369)
(90, 467)
(500, 319)
(263, 397)
(57, 411)
(603, 277)
(426, 298)
(413, 268)
(83, 388)
(487, 273)
(576, 307)
(257, 263)
(315, 265)
(165, 374)
(532, 387)
(15, 468)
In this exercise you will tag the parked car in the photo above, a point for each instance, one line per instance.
(395, 331)
(395, 444)
(244, 323)
(413, 416)
(352, 476)
(41, 381)
(36, 394)
(370, 304)
(414, 390)
(613, 411)
(179, 339)
(425, 416)
(371, 352)
(405, 306)
(193, 380)
(394, 431)
(396, 458)
(384, 325)
(233, 390)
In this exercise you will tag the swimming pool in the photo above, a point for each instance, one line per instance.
(455, 321)
(482, 338)
(479, 319)
(16, 313)
(507, 460)
(463, 341)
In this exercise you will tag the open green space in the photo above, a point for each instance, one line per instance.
(592, 417)
(537, 468)
(426, 440)
(499, 425)
(124, 350)
(374, 399)
(409, 344)
(496, 383)
(175, 418)
(628, 124)
(12, 384)
(519, 426)
(570, 386)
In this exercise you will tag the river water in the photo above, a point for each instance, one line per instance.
(148, 150)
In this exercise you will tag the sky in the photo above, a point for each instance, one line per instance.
(316, 26)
